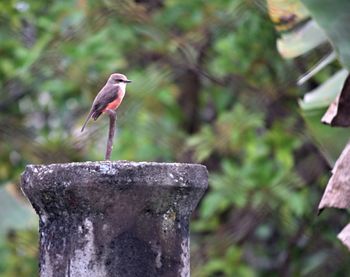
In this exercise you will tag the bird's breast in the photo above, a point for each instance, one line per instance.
(116, 102)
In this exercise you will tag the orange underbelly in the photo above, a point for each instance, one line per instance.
(113, 105)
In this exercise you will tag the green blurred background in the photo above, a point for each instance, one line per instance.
(209, 86)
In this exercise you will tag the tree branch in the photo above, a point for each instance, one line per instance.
(112, 122)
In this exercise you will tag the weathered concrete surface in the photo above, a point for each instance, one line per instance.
(114, 218)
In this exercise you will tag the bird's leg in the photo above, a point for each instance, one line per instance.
(112, 122)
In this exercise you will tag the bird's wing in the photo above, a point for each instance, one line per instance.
(107, 95)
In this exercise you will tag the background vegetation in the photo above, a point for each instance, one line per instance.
(208, 86)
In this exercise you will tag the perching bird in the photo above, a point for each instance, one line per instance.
(109, 97)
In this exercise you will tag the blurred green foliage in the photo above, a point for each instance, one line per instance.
(208, 86)
(19, 254)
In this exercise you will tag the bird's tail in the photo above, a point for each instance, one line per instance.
(87, 119)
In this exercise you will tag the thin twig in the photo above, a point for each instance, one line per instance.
(112, 122)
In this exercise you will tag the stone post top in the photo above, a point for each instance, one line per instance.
(96, 186)
(118, 172)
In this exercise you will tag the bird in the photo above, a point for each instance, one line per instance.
(109, 97)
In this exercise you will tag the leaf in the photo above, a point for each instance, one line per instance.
(214, 203)
(333, 17)
(338, 113)
(324, 94)
(337, 193)
(317, 68)
(344, 236)
(287, 13)
(298, 42)
(330, 141)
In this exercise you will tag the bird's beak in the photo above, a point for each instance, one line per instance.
(128, 81)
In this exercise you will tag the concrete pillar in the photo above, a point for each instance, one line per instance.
(114, 218)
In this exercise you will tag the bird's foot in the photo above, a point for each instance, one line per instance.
(112, 113)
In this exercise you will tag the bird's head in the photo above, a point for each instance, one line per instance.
(118, 79)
